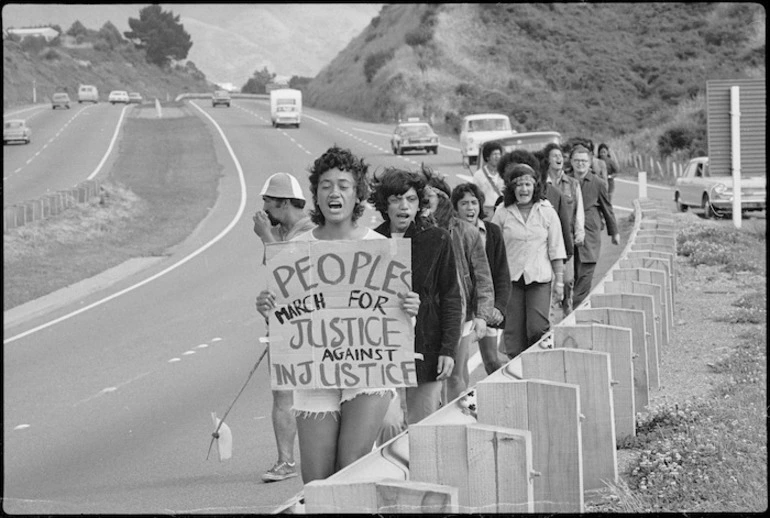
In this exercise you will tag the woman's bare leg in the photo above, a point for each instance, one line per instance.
(318, 435)
(361, 420)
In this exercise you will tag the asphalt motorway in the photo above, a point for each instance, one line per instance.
(108, 396)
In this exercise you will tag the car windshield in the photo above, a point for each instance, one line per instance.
(417, 131)
(59, 97)
(13, 124)
(489, 125)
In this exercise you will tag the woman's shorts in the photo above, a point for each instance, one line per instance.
(316, 401)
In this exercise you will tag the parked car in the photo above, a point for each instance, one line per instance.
(220, 97)
(88, 93)
(135, 97)
(60, 100)
(699, 187)
(15, 130)
(479, 128)
(414, 136)
(118, 96)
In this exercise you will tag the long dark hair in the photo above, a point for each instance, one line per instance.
(515, 171)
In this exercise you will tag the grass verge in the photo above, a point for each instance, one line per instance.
(709, 453)
(162, 185)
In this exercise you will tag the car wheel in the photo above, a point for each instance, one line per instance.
(472, 160)
(399, 151)
(708, 209)
(435, 150)
(681, 207)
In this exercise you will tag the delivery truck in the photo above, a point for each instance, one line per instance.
(286, 107)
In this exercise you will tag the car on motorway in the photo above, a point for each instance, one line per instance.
(135, 98)
(481, 127)
(60, 100)
(530, 141)
(414, 136)
(699, 187)
(220, 97)
(118, 96)
(88, 93)
(15, 130)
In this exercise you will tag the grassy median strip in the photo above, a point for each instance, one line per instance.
(161, 186)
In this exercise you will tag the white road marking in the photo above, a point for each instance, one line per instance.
(21, 427)
(202, 346)
(174, 266)
(112, 144)
(319, 121)
(188, 353)
(217, 339)
(649, 185)
(172, 360)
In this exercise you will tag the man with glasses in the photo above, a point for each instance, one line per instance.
(596, 203)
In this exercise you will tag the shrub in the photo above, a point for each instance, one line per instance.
(374, 62)
(422, 35)
(50, 54)
(33, 44)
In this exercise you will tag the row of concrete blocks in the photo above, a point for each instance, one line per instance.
(49, 204)
(547, 426)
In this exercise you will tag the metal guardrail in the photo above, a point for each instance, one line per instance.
(207, 95)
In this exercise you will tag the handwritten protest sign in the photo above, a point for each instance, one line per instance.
(337, 321)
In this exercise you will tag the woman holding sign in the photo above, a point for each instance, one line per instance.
(338, 426)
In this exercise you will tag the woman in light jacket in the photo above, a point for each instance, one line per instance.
(535, 250)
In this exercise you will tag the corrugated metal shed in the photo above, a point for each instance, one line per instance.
(753, 124)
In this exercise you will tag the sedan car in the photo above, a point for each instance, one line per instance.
(60, 100)
(713, 193)
(135, 97)
(481, 127)
(118, 96)
(414, 136)
(220, 97)
(15, 130)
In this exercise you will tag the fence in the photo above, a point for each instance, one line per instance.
(542, 433)
(49, 204)
(671, 168)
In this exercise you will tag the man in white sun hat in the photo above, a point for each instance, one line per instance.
(283, 217)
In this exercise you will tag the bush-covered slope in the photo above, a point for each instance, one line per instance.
(602, 69)
(108, 67)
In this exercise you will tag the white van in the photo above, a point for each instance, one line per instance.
(481, 127)
(88, 93)
(286, 106)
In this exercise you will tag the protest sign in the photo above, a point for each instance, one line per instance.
(337, 321)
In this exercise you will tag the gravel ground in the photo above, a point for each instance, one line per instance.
(699, 339)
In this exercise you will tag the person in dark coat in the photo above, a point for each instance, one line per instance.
(469, 203)
(596, 204)
(396, 195)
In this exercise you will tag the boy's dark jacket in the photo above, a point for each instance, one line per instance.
(434, 279)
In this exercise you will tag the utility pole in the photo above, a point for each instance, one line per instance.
(34, 91)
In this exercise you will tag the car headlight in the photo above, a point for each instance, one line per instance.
(722, 191)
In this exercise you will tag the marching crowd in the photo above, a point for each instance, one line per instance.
(493, 261)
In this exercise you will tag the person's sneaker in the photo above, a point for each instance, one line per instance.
(280, 471)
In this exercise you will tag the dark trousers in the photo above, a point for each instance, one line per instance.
(526, 316)
(584, 276)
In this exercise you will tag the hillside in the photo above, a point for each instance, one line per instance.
(601, 69)
(230, 41)
(59, 68)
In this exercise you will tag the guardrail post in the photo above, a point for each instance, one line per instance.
(489, 465)
(378, 497)
(615, 341)
(633, 320)
(551, 412)
(646, 304)
(590, 371)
